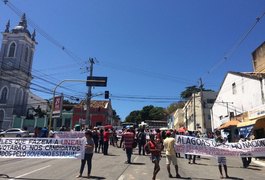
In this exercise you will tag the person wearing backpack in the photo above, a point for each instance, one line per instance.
(141, 139)
(155, 149)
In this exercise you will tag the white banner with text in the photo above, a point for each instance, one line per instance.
(209, 147)
(41, 148)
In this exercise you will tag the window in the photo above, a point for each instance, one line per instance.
(2, 115)
(26, 54)
(12, 50)
(4, 95)
(210, 101)
(234, 88)
(19, 97)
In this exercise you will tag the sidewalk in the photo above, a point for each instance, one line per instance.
(260, 161)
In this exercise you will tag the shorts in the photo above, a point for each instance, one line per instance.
(221, 160)
(155, 158)
(171, 158)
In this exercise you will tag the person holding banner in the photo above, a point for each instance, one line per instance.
(221, 160)
(89, 149)
(245, 160)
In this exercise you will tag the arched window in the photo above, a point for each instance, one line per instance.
(4, 95)
(19, 97)
(26, 54)
(12, 49)
(2, 116)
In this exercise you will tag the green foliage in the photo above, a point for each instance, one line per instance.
(147, 113)
(174, 106)
(189, 91)
(115, 116)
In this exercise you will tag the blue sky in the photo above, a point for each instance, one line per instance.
(146, 48)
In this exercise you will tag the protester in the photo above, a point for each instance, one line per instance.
(89, 148)
(221, 160)
(128, 138)
(95, 137)
(245, 160)
(169, 143)
(155, 150)
(141, 140)
(175, 133)
(106, 136)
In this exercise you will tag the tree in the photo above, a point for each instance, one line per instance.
(174, 106)
(157, 113)
(134, 117)
(115, 116)
(189, 91)
(147, 113)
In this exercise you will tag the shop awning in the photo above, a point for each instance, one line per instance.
(229, 124)
(247, 123)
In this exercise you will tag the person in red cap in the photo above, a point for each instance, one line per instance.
(169, 143)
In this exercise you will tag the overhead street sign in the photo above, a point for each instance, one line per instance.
(96, 81)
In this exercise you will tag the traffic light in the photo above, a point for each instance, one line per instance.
(106, 94)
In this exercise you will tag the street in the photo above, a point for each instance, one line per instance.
(112, 167)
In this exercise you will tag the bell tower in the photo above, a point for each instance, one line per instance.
(16, 57)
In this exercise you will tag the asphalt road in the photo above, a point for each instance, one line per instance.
(112, 167)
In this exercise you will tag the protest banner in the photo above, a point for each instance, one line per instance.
(41, 148)
(69, 134)
(209, 147)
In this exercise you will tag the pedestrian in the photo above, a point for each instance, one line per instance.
(101, 140)
(141, 140)
(192, 157)
(245, 160)
(169, 143)
(155, 148)
(89, 149)
(176, 133)
(221, 160)
(95, 137)
(106, 137)
(128, 138)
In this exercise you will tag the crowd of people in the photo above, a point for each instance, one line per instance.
(151, 142)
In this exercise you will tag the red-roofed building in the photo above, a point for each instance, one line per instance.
(101, 113)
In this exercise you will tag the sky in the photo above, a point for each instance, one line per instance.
(149, 50)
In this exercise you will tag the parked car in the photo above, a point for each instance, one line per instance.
(14, 132)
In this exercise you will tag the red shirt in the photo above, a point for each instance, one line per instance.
(154, 146)
(106, 136)
(128, 138)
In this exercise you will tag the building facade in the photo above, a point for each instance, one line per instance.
(197, 111)
(16, 57)
(101, 114)
(239, 93)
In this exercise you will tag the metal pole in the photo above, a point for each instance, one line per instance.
(53, 95)
(88, 121)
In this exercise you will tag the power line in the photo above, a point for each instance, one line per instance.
(229, 54)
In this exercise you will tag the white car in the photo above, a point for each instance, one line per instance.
(14, 132)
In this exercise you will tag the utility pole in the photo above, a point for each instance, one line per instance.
(203, 125)
(194, 111)
(89, 93)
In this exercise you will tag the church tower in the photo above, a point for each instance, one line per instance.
(16, 57)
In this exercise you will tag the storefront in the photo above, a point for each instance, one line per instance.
(255, 124)
(246, 128)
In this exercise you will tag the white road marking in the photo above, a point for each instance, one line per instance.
(121, 177)
(32, 171)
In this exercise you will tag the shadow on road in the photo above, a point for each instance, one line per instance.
(31, 178)
(96, 177)
(135, 163)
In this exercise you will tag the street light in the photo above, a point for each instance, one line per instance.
(53, 95)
